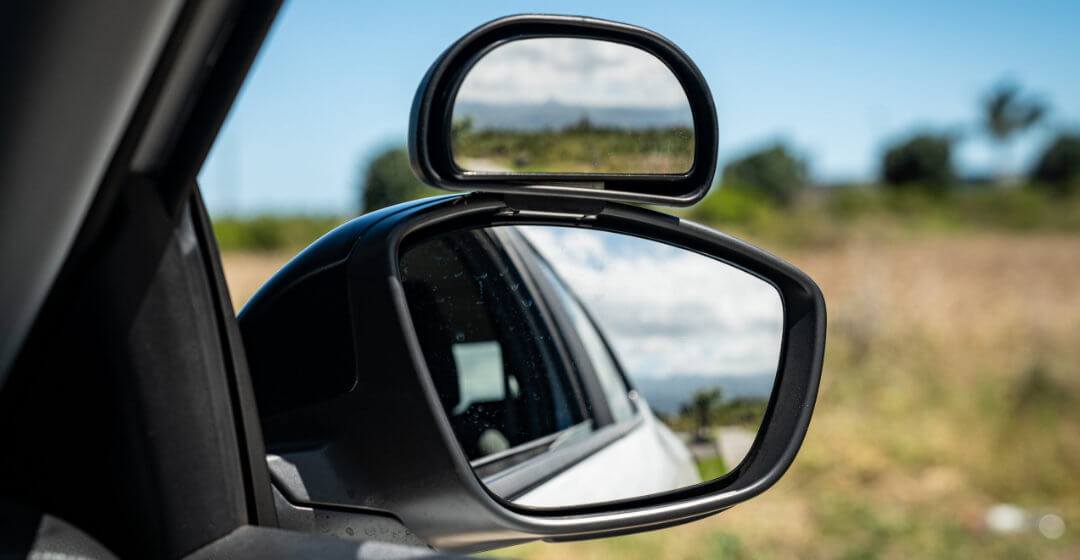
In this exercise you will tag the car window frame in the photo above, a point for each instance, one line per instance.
(518, 470)
(579, 442)
(545, 315)
(493, 250)
(583, 365)
(552, 276)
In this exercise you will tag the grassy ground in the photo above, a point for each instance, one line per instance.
(578, 150)
(712, 467)
(951, 384)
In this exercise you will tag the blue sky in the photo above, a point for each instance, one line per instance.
(837, 80)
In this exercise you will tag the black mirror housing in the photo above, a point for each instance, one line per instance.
(356, 426)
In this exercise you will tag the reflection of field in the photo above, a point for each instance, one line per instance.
(950, 385)
(721, 452)
(576, 150)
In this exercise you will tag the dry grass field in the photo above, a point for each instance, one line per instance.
(951, 384)
(245, 271)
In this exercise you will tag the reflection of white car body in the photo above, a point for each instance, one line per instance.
(660, 462)
(533, 391)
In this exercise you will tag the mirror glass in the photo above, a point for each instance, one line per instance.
(563, 105)
(579, 366)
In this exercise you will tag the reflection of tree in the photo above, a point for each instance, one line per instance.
(582, 125)
(707, 408)
(701, 409)
(582, 146)
(461, 127)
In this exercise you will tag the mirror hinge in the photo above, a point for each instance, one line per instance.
(577, 209)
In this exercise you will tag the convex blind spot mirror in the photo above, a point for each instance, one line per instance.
(566, 106)
(570, 105)
(580, 366)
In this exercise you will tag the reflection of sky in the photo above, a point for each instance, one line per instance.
(667, 311)
(572, 72)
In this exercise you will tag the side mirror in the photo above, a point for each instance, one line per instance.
(539, 360)
(562, 356)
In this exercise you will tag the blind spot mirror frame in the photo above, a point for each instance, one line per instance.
(431, 119)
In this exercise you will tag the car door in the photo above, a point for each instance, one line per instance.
(126, 412)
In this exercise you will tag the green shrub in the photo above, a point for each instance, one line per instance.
(773, 172)
(271, 233)
(835, 214)
(923, 161)
(732, 204)
(1013, 209)
(851, 202)
(389, 180)
(1058, 169)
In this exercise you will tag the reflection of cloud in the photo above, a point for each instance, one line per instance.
(667, 311)
(574, 72)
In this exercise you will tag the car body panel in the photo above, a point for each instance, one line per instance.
(660, 462)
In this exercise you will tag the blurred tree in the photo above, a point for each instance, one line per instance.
(1007, 114)
(773, 172)
(702, 408)
(583, 124)
(460, 127)
(389, 180)
(1059, 166)
(924, 160)
(731, 205)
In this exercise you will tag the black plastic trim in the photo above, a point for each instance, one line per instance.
(252, 454)
(127, 238)
(499, 462)
(387, 445)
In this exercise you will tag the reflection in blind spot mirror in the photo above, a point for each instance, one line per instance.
(578, 366)
(571, 106)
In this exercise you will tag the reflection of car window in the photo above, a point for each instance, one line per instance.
(492, 359)
(480, 374)
(607, 370)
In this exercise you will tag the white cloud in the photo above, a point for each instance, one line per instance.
(666, 310)
(573, 72)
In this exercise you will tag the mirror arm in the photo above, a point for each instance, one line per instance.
(578, 209)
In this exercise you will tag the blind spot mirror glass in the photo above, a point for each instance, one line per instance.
(578, 366)
(571, 106)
